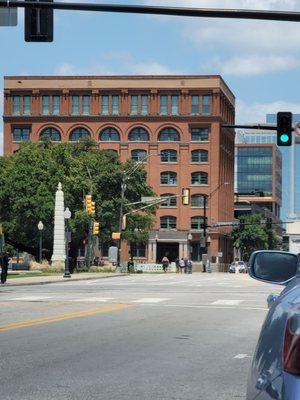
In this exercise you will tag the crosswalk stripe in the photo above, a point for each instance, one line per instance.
(227, 302)
(149, 300)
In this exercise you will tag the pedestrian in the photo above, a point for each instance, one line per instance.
(165, 263)
(181, 265)
(4, 260)
(177, 265)
(190, 266)
(186, 265)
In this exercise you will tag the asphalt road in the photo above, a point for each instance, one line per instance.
(137, 337)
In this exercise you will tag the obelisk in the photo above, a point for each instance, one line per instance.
(59, 252)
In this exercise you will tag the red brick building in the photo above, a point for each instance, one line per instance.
(173, 120)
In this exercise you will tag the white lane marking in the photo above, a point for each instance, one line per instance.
(94, 299)
(31, 298)
(227, 302)
(241, 356)
(209, 306)
(223, 283)
(149, 300)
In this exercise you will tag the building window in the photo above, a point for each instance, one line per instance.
(45, 105)
(138, 249)
(199, 156)
(174, 105)
(199, 178)
(104, 101)
(197, 223)
(168, 178)
(163, 105)
(21, 134)
(16, 105)
(197, 200)
(79, 133)
(139, 155)
(170, 202)
(85, 105)
(115, 105)
(133, 105)
(168, 135)
(168, 156)
(26, 105)
(206, 101)
(195, 105)
(168, 222)
(144, 108)
(138, 135)
(109, 135)
(75, 105)
(199, 134)
(56, 101)
(50, 133)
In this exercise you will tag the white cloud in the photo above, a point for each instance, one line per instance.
(256, 112)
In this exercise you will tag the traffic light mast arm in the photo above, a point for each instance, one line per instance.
(162, 10)
(161, 200)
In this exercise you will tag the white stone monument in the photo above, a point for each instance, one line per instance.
(59, 249)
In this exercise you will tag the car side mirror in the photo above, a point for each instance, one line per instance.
(277, 267)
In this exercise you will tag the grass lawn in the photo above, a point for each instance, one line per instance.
(30, 274)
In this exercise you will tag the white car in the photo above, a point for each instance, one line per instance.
(237, 266)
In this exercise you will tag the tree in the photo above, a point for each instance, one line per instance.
(254, 236)
(29, 179)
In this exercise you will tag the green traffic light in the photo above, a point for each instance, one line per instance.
(284, 138)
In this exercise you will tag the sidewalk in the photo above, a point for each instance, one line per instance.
(43, 280)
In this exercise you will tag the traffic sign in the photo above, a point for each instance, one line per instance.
(8, 16)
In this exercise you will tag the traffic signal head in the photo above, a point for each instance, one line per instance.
(269, 223)
(93, 207)
(242, 224)
(96, 228)
(39, 24)
(185, 197)
(284, 129)
(88, 203)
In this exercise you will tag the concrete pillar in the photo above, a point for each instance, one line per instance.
(59, 249)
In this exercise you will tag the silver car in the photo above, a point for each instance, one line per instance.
(275, 370)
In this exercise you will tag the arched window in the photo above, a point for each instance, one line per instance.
(168, 135)
(168, 178)
(109, 135)
(199, 156)
(79, 133)
(197, 223)
(138, 135)
(170, 202)
(168, 156)
(199, 178)
(50, 133)
(197, 200)
(139, 155)
(168, 222)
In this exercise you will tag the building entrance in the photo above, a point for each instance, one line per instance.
(171, 250)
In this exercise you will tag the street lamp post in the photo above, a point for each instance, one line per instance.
(40, 228)
(208, 254)
(156, 240)
(190, 238)
(67, 216)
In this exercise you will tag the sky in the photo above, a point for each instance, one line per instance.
(259, 60)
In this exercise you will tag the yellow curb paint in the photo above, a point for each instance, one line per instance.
(64, 317)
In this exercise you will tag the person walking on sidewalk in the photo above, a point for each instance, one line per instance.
(4, 260)
(181, 265)
(165, 263)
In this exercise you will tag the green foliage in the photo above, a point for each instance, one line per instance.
(254, 236)
(29, 179)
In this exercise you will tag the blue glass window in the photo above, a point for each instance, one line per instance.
(195, 105)
(168, 178)
(85, 105)
(21, 134)
(133, 105)
(75, 105)
(138, 135)
(199, 178)
(16, 105)
(115, 105)
(168, 156)
(168, 222)
(168, 135)
(206, 100)
(56, 101)
(144, 108)
(45, 105)
(199, 134)
(199, 156)
(174, 105)
(109, 135)
(50, 133)
(139, 155)
(104, 105)
(163, 105)
(79, 133)
(26, 105)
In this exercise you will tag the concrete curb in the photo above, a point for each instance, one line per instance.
(63, 281)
